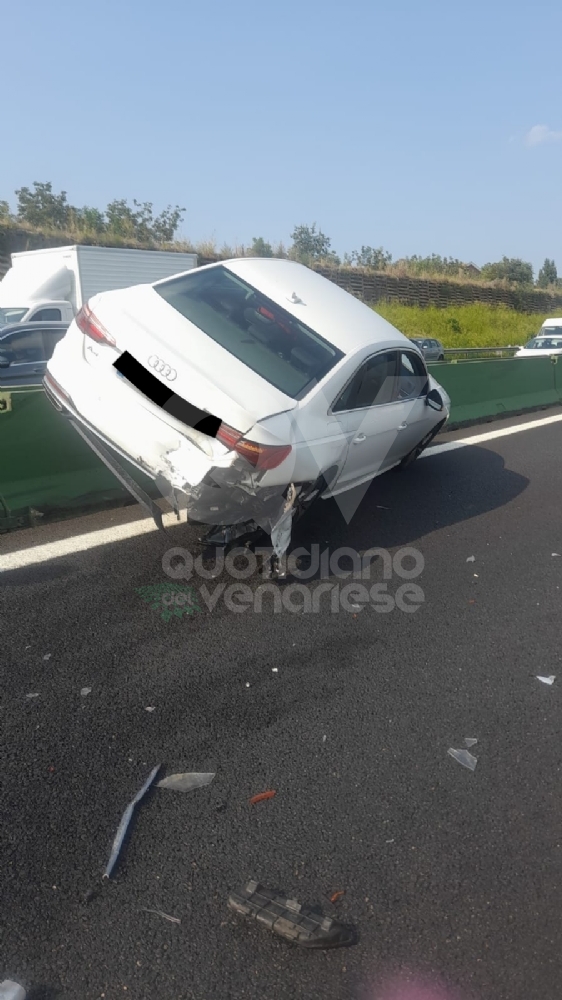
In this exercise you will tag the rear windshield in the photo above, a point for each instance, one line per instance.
(270, 341)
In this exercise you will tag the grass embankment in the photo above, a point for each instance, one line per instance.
(476, 325)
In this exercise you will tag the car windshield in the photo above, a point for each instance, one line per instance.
(11, 315)
(417, 341)
(544, 344)
(270, 341)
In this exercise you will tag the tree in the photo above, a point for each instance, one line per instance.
(260, 248)
(548, 275)
(310, 244)
(42, 208)
(4, 211)
(513, 269)
(377, 259)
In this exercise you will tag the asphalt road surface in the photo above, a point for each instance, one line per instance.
(451, 876)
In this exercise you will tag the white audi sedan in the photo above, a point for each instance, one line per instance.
(245, 389)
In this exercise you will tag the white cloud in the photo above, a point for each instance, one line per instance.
(541, 133)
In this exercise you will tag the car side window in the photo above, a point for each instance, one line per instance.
(23, 348)
(412, 378)
(50, 340)
(372, 384)
(46, 316)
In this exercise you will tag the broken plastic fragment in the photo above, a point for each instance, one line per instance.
(547, 680)
(11, 991)
(84, 692)
(471, 559)
(165, 916)
(32, 694)
(125, 820)
(150, 708)
(337, 895)
(463, 757)
(554, 554)
(469, 741)
(296, 923)
(47, 656)
(262, 797)
(187, 781)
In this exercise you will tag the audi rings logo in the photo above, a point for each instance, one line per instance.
(162, 368)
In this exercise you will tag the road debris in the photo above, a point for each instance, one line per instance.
(125, 821)
(471, 559)
(262, 797)
(555, 554)
(47, 656)
(11, 991)
(463, 757)
(296, 923)
(275, 670)
(337, 895)
(84, 692)
(546, 680)
(187, 781)
(150, 708)
(247, 684)
(32, 694)
(470, 741)
(165, 916)
(324, 738)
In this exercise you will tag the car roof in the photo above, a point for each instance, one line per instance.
(555, 321)
(37, 325)
(325, 307)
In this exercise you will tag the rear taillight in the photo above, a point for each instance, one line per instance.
(91, 327)
(262, 456)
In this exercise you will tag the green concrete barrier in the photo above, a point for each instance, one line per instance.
(48, 472)
(45, 466)
(481, 390)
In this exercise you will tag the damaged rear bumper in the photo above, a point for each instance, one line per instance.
(229, 495)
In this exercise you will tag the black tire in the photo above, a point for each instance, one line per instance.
(416, 452)
(441, 357)
(312, 492)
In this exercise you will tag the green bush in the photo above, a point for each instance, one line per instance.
(476, 325)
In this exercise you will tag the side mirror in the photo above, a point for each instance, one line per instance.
(434, 400)
(4, 361)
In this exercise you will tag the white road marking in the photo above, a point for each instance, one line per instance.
(439, 449)
(106, 536)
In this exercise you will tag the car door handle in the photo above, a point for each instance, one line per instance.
(37, 371)
(359, 439)
(402, 427)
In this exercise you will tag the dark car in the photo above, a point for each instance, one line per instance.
(431, 349)
(25, 349)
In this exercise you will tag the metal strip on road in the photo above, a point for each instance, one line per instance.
(106, 536)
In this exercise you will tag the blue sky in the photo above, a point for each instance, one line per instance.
(401, 124)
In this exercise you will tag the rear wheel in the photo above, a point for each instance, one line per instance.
(312, 492)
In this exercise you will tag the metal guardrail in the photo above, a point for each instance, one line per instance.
(472, 353)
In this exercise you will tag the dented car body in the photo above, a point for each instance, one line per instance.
(245, 390)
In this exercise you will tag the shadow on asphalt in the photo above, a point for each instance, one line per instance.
(401, 507)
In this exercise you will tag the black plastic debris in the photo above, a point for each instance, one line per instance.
(296, 923)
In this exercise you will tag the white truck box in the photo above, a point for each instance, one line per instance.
(53, 284)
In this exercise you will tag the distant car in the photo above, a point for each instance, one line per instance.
(25, 349)
(251, 387)
(542, 346)
(431, 349)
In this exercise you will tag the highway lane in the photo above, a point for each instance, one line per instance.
(450, 874)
